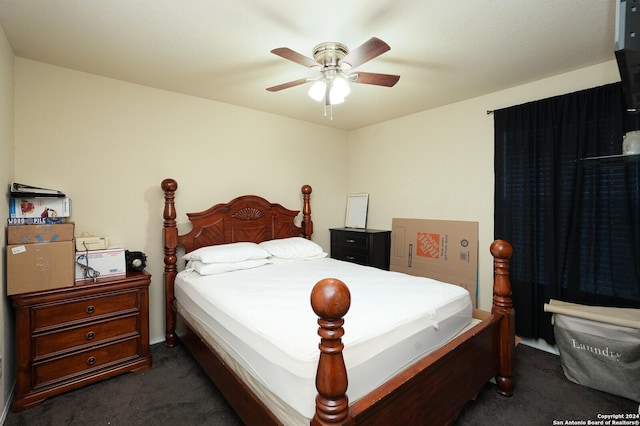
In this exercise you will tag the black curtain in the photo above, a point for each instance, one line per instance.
(574, 221)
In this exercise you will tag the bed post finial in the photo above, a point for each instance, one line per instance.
(307, 223)
(503, 305)
(169, 186)
(330, 299)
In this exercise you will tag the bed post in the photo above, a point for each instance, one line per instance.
(169, 186)
(503, 305)
(330, 299)
(307, 223)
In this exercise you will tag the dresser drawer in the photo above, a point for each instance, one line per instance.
(76, 364)
(91, 334)
(350, 240)
(47, 316)
(349, 256)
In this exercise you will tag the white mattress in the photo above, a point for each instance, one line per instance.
(263, 318)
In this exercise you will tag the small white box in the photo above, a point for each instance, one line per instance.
(109, 263)
(92, 243)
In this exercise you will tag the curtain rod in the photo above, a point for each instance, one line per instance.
(629, 110)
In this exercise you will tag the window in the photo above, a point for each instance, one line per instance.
(574, 223)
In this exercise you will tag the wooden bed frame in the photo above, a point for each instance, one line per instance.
(432, 391)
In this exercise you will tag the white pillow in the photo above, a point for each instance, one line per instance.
(218, 268)
(291, 248)
(276, 260)
(227, 253)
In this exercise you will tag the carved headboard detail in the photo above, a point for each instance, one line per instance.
(245, 218)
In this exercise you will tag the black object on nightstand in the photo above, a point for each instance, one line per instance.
(369, 247)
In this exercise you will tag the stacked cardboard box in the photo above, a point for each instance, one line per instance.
(40, 242)
(39, 257)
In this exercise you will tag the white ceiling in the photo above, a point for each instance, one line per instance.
(445, 51)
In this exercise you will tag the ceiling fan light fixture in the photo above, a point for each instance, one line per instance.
(339, 87)
(317, 90)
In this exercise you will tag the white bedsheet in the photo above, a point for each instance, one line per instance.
(265, 321)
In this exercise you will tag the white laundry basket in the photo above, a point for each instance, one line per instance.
(599, 346)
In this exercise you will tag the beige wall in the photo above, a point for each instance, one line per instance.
(108, 145)
(6, 175)
(438, 164)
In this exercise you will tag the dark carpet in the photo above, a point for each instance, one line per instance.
(176, 392)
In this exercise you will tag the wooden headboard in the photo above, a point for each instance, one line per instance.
(245, 218)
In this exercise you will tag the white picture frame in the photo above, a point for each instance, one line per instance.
(357, 205)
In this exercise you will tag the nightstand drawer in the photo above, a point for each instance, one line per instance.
(48, 316)
(362, 259)
(350, 240)
(64, 368)
(91, 334)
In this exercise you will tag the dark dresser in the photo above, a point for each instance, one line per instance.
(370, 247)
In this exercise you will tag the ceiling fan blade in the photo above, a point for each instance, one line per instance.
(287, 85)
(367, 51)
(296, 57)
(388, 80)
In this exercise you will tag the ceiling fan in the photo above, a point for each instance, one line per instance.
(334, 60)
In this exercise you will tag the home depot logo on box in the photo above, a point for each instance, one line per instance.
(428, 245)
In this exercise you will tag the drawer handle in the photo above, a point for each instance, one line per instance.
(351, 241)
(91, 309)
(351, 258)
(91, 360)
(91, 335)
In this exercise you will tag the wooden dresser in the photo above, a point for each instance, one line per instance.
(69, 337)
(370, 247)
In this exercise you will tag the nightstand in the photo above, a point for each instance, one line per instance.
(70, 337)
(370, 247)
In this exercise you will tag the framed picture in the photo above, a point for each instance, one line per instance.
(357, 205)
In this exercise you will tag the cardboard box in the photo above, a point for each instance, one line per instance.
(109, 263)
(37, 267)
(40, 207)
(444, 250)
(29, 234)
